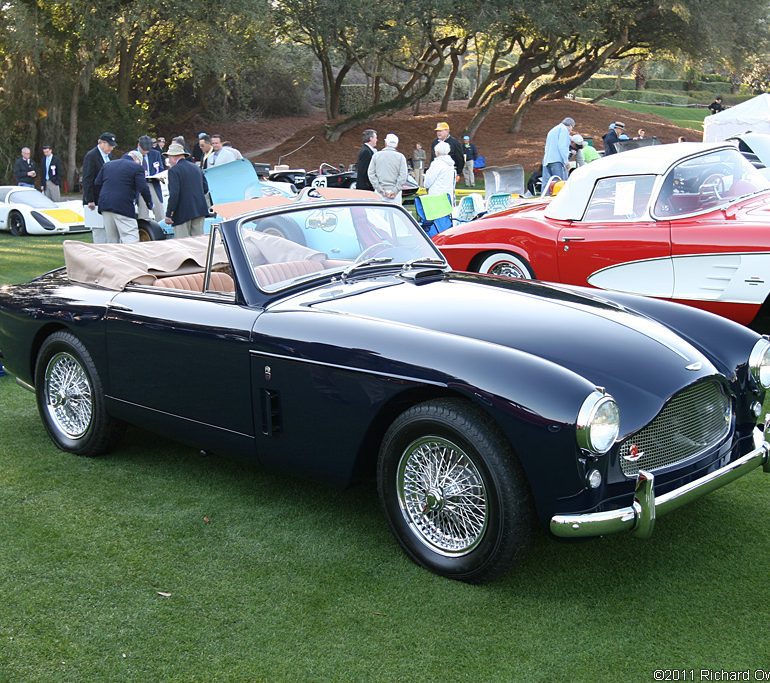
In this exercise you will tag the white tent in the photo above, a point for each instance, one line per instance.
(750, 116)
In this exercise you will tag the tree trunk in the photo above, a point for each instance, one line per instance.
(72, 142)
(126, 58)
(450, 82)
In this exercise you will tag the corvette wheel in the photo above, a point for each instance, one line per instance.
(507, 265)
(70, 398)
(16, 224)
(453, 493)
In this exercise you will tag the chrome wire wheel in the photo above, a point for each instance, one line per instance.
(442, 496)
(68, 395)
(507, 269)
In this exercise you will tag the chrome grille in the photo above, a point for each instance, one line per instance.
(691, 422)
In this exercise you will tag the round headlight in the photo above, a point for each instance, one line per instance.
(598, 423)
(759, 363)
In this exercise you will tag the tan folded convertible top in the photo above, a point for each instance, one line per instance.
(113, 266)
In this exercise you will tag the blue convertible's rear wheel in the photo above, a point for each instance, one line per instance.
(70, 398)
(453, 492)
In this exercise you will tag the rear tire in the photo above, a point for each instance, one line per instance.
(453, 492)
(70, 397)
(16, 224)
(282, 227)
(150, 231)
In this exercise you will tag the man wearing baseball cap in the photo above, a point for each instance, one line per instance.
(455, 148)
(92, 164)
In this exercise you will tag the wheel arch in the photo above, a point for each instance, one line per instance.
(366, 457)
(37, 341)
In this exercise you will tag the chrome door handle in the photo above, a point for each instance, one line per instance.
(573, 239)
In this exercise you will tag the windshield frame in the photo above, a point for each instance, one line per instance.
(762, 184)
(334, 273)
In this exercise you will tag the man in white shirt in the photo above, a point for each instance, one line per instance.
(220, 154)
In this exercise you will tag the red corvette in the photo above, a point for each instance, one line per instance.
(688, 222)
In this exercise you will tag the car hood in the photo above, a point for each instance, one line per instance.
(634, 357)
(233, 182)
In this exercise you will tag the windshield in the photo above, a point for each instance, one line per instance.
(317, 240)
(707, 181)
(31, 198)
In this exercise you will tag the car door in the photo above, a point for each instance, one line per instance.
(179, 362)
(617, 245)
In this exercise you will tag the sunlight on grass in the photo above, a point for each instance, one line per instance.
(686, 117)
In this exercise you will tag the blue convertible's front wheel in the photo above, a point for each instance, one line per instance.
(453, 492)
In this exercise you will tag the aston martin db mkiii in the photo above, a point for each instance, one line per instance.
(330, 338)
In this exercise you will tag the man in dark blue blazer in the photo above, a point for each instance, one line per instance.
(152, 163)
(187, 207)
(92, 163)
(118, 184)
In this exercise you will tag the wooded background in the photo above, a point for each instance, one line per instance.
(70, 70)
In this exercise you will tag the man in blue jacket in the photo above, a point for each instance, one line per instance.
(118, 184)
(187, 207)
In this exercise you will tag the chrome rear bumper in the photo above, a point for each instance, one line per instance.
(640, 516)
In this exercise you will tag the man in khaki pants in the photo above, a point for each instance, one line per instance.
(187, 208)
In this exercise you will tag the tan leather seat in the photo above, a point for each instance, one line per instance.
(219, 282)
(278, 272)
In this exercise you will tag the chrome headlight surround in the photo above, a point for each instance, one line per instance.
(759, 363)
(598, 423)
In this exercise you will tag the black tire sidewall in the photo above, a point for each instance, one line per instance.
(490, 556)
(21, 231)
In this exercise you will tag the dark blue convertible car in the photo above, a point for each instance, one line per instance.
(329, 338)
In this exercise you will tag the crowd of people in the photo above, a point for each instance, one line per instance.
(386, 170)
(120, 192)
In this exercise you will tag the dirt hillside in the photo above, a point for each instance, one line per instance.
(269, 139)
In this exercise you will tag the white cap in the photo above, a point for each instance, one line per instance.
(391, 140)
(442, 148)
(577, 139)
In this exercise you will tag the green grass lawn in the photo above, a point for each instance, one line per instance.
(686, 117)
(158, 564)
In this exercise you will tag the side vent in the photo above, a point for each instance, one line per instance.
(271, 412)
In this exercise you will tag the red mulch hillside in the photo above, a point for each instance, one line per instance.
(493, 140)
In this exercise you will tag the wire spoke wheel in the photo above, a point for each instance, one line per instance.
(442, 496)
(68, 395)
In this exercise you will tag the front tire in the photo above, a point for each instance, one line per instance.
(150, 231)
(70, 397)
(507, 265)
(16, 224)
(453, 493)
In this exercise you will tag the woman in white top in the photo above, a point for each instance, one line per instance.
(441, 175)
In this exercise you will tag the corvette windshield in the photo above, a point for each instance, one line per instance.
(301, 244)
(707, 181)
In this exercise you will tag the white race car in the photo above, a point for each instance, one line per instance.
(25, 211)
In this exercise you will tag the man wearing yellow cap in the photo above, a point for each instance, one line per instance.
(455, 148)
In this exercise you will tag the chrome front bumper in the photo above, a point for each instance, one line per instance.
(640, 516)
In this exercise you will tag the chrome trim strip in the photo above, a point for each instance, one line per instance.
(640, 516)
(24, 385)
(407, 378)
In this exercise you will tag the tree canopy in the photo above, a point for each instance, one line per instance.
(69, 70)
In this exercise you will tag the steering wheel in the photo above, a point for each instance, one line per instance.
(375, 249)
(713, 186)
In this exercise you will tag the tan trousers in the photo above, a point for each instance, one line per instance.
(120, 229)
(190, 228)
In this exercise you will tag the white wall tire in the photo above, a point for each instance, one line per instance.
(507, 265)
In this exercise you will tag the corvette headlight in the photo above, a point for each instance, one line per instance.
(759, 363)
(598, 423)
